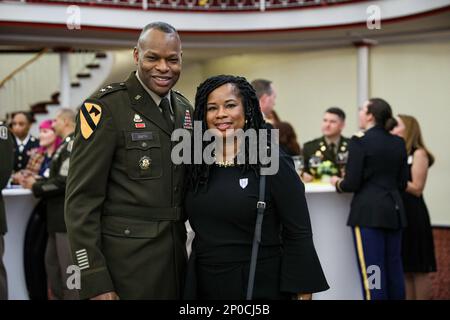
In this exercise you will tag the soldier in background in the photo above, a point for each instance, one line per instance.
(331, 146)
(6, 167)
(53, 189)
(24, 142)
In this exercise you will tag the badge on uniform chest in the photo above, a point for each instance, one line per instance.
(145, 163)
(187, 123)
(138, 122)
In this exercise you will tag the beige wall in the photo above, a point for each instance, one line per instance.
(190, 78)
(414, 78)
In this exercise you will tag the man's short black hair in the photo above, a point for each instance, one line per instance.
(337, 111)
(262, 86)
(161, 26)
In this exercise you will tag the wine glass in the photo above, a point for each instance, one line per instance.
(314, 163)
(341, 161)
(298, 163)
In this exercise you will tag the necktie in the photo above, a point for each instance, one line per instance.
(165, 107)
(333, 151)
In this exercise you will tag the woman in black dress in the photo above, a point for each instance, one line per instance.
(417, 246)
(221, 203)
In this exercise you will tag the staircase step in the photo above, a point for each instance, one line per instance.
(40, 107)
(83, 75)
(55, 97)
(93, 66)
(100, 55)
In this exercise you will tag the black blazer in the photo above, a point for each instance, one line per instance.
(376, 172)
(6, 166)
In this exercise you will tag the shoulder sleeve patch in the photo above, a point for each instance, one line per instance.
(90, 115)
(3, 132)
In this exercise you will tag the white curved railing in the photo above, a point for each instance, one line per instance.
(36, 82)
(70, 17)
(202, 5)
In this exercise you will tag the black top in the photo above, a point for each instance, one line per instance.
(223, 218)
(376, 172)
(6, 166)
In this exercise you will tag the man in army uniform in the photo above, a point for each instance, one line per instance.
(331, 146)
(57, 254)
(124, 194)
(6, 167)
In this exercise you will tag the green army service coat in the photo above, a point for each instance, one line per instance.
(124, 197)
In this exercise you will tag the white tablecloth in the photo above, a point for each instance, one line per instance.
(328, 212)
(19, 205)
(333, 240)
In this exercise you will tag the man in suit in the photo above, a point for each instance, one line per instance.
(124, 194)
(6, 166)
(267, 97)
(24, 142)
(52, 189)
(329, 147)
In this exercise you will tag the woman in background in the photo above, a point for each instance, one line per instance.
(417, 245)
(288, 139)
(40, 158)
(377, 173)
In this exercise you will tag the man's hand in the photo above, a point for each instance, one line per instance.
(306, 177)
(334, 180)
(17, 178)
(28, 182)
(106, 296)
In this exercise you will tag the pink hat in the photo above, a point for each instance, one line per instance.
(46, 124)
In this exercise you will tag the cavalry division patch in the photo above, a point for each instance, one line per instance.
(90, 114)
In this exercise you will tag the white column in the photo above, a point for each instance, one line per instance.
(64, 80)
(363, 73)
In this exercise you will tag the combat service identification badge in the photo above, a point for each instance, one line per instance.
(90, 114)
(145, 162)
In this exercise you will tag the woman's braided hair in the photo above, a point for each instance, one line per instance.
(198, 174)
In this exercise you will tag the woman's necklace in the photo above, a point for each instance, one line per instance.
(229, 149)
(224, 164)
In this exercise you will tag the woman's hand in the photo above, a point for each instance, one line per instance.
(334, 180)
(106, 296)
(28, 181)
(304, 296)
(306, 177)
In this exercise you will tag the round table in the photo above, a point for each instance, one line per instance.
(19, 204)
